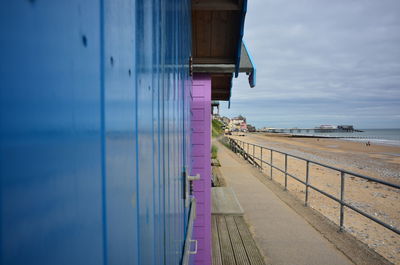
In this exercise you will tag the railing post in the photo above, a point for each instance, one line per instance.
(285, 171)
(307, 181)
(254, 158)
(341, 201)
(271, 165)
(261, 160)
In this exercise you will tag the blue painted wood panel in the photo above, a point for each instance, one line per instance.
(120, 116)
(94, 131)
(50, 142)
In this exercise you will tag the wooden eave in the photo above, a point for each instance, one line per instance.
(216, 29)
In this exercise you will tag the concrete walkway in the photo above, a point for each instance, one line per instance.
(283, 237)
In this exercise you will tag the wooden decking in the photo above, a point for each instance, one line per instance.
(233, 243)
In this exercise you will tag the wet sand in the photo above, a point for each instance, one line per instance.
(382, 202)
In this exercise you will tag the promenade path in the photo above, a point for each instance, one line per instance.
(283, 236)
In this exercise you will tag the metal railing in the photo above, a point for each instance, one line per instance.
(244, 149)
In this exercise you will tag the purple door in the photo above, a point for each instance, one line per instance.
(201, 164)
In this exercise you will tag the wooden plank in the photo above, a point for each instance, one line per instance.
(216, 248)
(212, 60)
(202, 25)
(227, 255)
(237, 244)
(235, 23)
(220, 36)
(250, 246)
(216, 5)
(194, 34)
(224, 201)
(222, 97)
(225, 34)
(221, 81)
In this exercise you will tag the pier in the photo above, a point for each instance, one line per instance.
(321, 129)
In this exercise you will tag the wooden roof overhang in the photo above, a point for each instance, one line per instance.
(217, 28)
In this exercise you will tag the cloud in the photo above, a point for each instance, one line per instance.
(322, 62)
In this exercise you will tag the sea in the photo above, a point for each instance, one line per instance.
(374, 136)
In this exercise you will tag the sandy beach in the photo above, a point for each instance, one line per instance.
(378, 161)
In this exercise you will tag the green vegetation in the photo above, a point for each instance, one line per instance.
(214, 151)
(224, 141)
(217, 128)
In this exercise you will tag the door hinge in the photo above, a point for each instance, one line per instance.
(191, 66)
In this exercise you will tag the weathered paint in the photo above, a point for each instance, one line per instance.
(93, 131)
(201, 164)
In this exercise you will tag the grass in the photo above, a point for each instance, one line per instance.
(217, 128)
(214, 152)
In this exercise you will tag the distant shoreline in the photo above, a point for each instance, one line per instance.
(384, 137)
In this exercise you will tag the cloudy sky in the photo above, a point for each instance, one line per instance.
(321, 62)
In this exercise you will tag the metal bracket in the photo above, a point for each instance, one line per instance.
(195, 247)
(191, 178)
(188, 186)
(191, 66)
